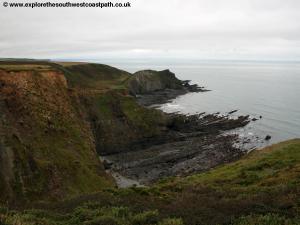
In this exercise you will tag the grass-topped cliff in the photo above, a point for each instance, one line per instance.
(260, 189)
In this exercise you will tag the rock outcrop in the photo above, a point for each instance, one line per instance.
(148, 81)
(158, 87)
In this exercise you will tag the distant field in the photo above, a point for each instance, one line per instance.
(70, 63)
(19, 67)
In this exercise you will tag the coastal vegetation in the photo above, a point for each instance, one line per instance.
(261, 188)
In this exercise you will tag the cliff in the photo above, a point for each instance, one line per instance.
(47, 147)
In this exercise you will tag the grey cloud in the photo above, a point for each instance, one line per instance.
(218, 29)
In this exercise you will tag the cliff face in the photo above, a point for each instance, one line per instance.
(47, 148)
(158, 87)
(120, 124)
(147, 81)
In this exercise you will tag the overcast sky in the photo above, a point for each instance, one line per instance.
(191, 29)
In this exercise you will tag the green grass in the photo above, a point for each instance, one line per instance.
(28, 67)
(274, 166)
(268, 219)
(95, 76)
(87, 214)
(265, 181)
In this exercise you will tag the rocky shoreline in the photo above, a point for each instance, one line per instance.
(190, 144)
(166, 95)
(159, 97)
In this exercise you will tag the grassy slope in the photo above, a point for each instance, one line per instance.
(95, 76)
(265, 181)
(262, 188)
